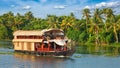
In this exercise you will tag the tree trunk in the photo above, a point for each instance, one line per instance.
(115, 34)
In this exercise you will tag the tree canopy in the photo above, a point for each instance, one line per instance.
(100, 27)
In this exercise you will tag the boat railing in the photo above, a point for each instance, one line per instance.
(49, 49)
(43, 49)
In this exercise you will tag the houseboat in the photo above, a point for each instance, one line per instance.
(47, 42)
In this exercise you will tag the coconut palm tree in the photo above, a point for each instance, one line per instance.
(94, 27)
(18, 21)
(52, 21)
(68, 22)
(86, 15)
(114, 23)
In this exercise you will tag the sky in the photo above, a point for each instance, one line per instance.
(42, 8)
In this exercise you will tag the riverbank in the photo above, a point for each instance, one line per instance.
(6, 44)
(93, 44)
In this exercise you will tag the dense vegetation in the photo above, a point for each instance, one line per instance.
(100, 27)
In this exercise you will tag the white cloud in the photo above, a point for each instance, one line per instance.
(27, 7)
(107, 4)
(87, 7)
(114, 5)
(59, 6)
(102, 4)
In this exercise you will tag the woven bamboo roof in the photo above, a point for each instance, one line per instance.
(33, 32)
(27, 40)
(52, 30)
(27, 33)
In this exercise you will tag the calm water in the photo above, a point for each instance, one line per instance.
(88, 57)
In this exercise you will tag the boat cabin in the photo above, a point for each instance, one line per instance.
(47, 40)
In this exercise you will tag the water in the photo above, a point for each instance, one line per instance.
(85, 57)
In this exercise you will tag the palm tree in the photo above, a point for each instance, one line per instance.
(94, 30)
(86, 14)
(68, 22)
(65, 24)
(3, 32)
(18, 20)
(29, 16)
(114, 24)
(53, 21)
(94, 27)
(7, 20)
(98, 23)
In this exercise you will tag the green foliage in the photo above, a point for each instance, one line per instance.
(103, 27)
(73, 34)
(82, 37)
(3, 32)
(110, 38)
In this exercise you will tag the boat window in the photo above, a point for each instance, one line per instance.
(29, 37)
(38, 44)
(45, 45)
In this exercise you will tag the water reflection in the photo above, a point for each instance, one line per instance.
(31, 61)
(86, 57)
(6, 44)
(99, 50)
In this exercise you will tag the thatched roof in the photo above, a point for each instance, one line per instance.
(52, 30)
(34, 32)
(27, 33)
(27, 40)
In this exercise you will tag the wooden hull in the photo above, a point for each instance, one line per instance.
(53, 53)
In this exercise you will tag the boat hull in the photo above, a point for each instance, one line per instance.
(52, 53)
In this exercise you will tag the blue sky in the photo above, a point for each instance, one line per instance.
(41, 8)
